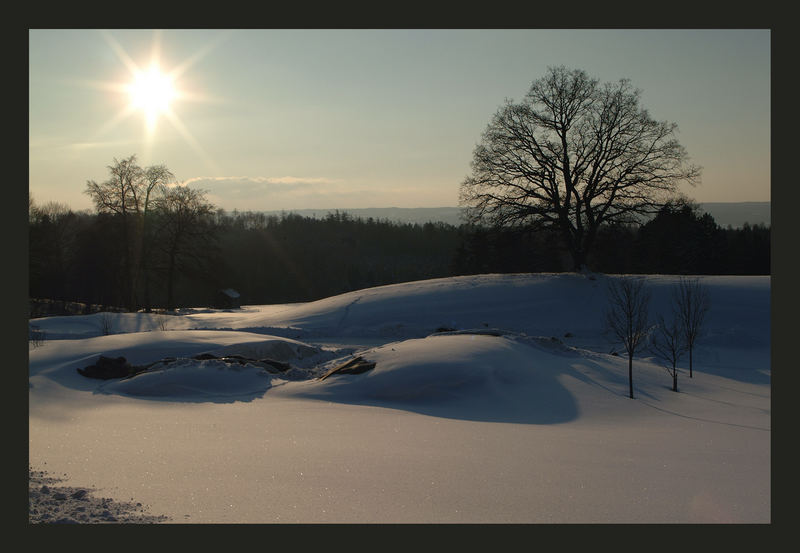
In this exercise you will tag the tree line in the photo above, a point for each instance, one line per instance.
(145, 234)
(191, 251)
(679, 240)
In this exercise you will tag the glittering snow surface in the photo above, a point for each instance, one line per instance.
(493, 398)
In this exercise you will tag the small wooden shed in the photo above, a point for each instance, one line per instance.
(228, 299)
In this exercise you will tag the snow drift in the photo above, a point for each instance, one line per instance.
(507, 382)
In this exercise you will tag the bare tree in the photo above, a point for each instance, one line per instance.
(52, 236)
(33, 210)
(154, 183)
(627, 316)
(574, 155)
(119, 195)
(129, 193)
(668, 343)
(691, 302)
(185, 231)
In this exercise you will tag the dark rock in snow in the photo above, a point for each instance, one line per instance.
(280, 366)
(205, 357)
(107, 367)
(267, 363)
(233, 358)
(357, 365)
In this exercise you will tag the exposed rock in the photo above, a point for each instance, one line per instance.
(108, 367)
(267, 363)
(357, 365)
(279, 366)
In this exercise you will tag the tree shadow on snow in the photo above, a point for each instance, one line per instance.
(553, 405)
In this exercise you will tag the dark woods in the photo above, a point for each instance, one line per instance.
(679, 240)
(267, 259)
(193, 251)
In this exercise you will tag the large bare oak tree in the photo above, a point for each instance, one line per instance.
(572, 155)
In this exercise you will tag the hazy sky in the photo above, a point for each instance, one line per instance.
(323, 119)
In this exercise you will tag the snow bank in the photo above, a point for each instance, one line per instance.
(466, 376)
(522, 401)
(56, 362)
(193, 380)
(534, 304)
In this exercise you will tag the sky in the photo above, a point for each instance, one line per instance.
(281, 119)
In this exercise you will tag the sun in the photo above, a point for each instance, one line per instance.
(151, 92)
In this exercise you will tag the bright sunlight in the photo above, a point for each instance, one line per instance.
(151, 92)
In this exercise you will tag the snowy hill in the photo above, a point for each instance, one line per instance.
(507, 382)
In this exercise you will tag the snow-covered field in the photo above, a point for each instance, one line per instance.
(525, 418)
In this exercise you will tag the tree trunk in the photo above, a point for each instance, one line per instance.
(170, 281)
(147, 307)
(630, 373)
(690, 362)
(578, 260)
(130, 277)
(674, 380)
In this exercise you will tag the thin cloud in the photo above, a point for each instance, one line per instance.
(265, 180)
(284, 192)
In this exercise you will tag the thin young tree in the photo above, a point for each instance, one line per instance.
(691, 302)
(627, 316)
(669, 345)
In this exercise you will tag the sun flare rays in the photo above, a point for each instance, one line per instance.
(153, 92)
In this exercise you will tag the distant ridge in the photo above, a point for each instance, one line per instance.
(735, 214)
(412, 215)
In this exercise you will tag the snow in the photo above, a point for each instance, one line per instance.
(494, 398)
